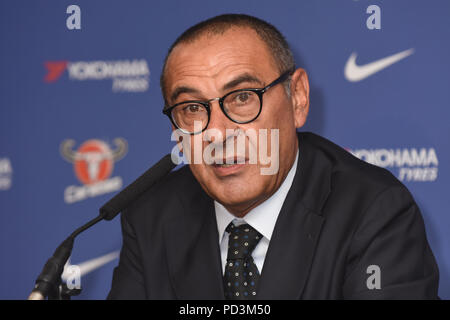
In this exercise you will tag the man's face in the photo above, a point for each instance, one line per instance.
(214, 65)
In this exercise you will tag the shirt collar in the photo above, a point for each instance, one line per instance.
(263, 217)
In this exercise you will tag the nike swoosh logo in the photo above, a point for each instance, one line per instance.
(90, 265)
(355, 73)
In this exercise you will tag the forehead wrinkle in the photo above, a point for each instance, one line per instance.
(199, 63)
(213, 67)
(217, 80)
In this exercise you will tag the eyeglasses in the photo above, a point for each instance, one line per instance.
(240, 106)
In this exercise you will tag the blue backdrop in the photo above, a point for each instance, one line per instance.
(81, 110)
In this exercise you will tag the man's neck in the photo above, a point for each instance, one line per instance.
(242, 210)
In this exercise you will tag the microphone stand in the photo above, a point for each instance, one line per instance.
(49, 284)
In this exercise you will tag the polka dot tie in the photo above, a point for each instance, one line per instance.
(241, 274)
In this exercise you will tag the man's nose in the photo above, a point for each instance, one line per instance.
(218, 120)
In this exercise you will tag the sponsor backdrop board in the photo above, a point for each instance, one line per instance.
(81, 110)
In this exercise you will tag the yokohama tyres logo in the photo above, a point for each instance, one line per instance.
(408, 164)
(126, 75)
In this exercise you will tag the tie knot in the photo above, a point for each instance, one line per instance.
(243, 239)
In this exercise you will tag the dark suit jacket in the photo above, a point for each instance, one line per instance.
(340, 216)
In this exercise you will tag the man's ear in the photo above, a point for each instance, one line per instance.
(300, 96)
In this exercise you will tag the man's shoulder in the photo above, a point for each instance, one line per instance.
(344, 167)
(348, 190)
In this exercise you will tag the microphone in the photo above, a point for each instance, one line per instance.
(48, 282)
(110, 209)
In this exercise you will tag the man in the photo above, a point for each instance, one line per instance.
(322, 225)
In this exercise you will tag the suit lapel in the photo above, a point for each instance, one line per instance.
(192, 248)
(297, 230)
(290, 254)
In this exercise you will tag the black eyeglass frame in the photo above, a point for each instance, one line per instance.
(207, 104)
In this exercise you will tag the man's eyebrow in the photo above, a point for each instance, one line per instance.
(183, 89)
(246, 77)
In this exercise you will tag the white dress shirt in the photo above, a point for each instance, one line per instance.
(262, 218)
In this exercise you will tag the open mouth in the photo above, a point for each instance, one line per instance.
(225, 163)
(229, 166)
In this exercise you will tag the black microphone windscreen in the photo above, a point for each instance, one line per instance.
(110, 209)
